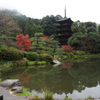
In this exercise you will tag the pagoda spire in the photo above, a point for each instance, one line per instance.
(65, 12)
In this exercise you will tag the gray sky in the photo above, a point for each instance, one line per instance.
(83, 10)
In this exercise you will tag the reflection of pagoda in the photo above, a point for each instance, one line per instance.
(64, 29)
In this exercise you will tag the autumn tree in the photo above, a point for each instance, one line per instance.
(7, 25)
(66, 48)
(23, 42)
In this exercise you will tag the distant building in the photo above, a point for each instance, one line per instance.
(64, 30)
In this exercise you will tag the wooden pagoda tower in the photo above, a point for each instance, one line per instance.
(64, 30)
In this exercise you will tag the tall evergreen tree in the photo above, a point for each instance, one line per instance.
(28, 27)
(36, 29)
(49, 25)
(99, 28)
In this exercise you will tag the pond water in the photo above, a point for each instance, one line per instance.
(73, 79)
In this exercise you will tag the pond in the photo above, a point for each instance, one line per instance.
(73, 79)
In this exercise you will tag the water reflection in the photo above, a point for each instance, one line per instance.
(72, 79)
(67, 64)
(24, 78)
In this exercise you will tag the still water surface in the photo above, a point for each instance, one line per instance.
(72, 79)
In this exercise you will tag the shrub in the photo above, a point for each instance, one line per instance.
(30, 63)
(32, 56)
(46, 57)
(79, 52)
(22, 62)
(66, 48)
(5, 64)
(23, 42)
(70, 54)
(11, 54)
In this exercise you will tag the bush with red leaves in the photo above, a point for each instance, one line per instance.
(23, 42)
(66, 48)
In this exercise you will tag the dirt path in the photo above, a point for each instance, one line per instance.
(7, 96)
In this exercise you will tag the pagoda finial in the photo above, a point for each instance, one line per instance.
(65, 12)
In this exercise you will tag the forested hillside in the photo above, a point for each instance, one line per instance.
(30, 26)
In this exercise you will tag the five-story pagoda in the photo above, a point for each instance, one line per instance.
(64, 29)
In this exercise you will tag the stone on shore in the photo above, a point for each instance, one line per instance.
(16, 89)
(10, 83)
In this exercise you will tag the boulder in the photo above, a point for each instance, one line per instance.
(10, 83)
(16, 89)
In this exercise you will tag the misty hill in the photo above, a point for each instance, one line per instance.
(27, 24)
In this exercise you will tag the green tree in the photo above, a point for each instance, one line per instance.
(96, 38)
(36, 29)
(75, 39)
(49, 25)
(91, 27)
(79, 33)
(36, 21)
(87, 44)
(36, 42)
(99, 28)
(45, 45)
(78, 27)
(28, 27)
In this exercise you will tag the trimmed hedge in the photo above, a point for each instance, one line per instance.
(46, 57)
(32, 56)
(30, 63)
(79, 52)
(11, 54)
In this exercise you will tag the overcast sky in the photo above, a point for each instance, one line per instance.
(83, 10)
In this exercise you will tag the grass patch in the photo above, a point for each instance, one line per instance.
(24, 93)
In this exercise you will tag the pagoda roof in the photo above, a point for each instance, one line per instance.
(64, 19)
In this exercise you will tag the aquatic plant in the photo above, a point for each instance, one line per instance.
(35, 97)
(48, 95)
(89, 98)
(24, 92)
(66, 98)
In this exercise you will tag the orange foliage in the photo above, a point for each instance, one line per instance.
(23, 42)
(45, 37)
(67, 48)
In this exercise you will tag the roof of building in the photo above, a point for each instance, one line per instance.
(64, 19)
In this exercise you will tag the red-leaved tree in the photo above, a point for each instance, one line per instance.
(66, 48)
(23, 42)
